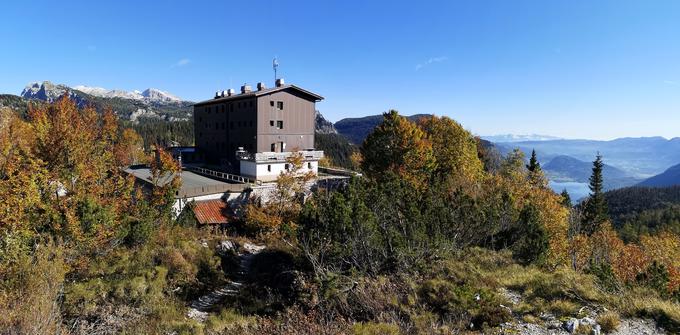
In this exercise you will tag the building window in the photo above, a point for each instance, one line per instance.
(271, 103)
(273, 147)
(200, 119)
(279, 124)
(271, 123)
(239, 123)
(217, 125)
(251, 123)
(279, 105)
(287, 166)
(231, 107)
(309, 165)
(208, 110)
(269, 168)
(222, 125)
(231, 125)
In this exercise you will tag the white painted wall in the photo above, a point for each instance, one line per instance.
(269, 171)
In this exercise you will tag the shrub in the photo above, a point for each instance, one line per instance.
(609, 321)
(446, 297)
(605, 276)
(490, 314)
(655, 277)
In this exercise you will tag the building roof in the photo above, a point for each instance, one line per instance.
(212, 212)
(193, 184)
(256, 93)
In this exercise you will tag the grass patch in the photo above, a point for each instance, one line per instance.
(609, 321)
(562, 307)
(228, 321)
(645, 304)
(371, 328)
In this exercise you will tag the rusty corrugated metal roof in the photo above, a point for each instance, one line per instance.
(212, 211)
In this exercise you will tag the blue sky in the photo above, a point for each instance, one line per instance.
(576, 69)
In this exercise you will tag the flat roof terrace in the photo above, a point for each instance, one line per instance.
(193, 184)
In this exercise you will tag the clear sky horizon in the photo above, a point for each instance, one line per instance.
(573, 69)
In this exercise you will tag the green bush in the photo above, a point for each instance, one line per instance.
(655, 277)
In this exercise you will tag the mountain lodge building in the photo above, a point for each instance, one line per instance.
(253, 133)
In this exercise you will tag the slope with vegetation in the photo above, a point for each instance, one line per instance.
(435, 238)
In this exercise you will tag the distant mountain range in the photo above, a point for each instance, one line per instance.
(563, 169)
(641, 157)
(669, 177)
(509, 138)
(151, 103)
(150, 94)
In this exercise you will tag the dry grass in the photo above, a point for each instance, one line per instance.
(562, 307)
(645, 304)
(609, 321)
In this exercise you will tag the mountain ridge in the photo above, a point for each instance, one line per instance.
(670, 177)
(132, 106)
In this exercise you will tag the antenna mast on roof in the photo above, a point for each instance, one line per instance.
(275, 65)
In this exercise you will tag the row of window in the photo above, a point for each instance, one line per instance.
(230, 107)
(269, 167)
(241, 104)
(278, 124)
(222, 125)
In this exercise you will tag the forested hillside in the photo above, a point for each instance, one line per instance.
(356, 129)
(637, 211)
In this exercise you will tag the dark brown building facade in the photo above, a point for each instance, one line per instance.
(278, 119)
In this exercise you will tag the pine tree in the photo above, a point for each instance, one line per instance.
(566, 198)
(595, 211)
(534, 165)
(536, 176)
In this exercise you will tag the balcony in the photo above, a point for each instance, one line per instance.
(261, 157)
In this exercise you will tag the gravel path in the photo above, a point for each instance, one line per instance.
(200, 308)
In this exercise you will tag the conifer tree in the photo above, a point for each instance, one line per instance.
(536, 176)
(595, 211)
(566, 198)
(534, 165)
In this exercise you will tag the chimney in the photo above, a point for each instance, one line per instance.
(217, 94)
(280, 82)
(246, 88)
(223, 93)
(230, 92)
(260, 86)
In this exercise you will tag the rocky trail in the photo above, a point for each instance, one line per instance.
(200, 308)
